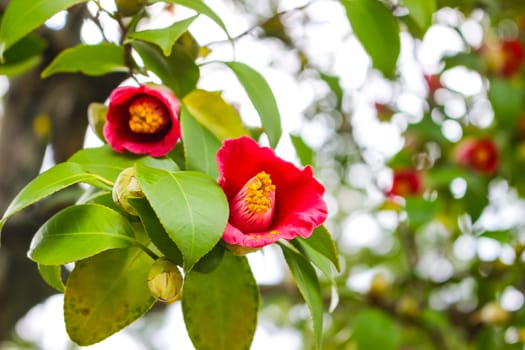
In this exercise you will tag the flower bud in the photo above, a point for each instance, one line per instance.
(493, 314)
(379, 286)
(126, 186)
(129, 7)
(165, 280)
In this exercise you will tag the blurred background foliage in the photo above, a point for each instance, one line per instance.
(412, 114)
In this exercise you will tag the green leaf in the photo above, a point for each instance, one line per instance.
(420, 211)
(107, 163)
(377, 30)
(23, 55)
(304, 152)
(308, 284)
(177, 71)
(200, 146)
(321, 242)
(79, 232)
(23, 16)
(506, 100)
(89, 59)
(156, 232)
(52, 274)
(55, 179)
(190, 205)
(220, 308)
(200, 7)
(105, 293)
(164, 38)
(262, 99)
(212, 112)
(421, 11)
(502, 236)
(375, 330)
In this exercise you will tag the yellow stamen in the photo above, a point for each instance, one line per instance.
(147, 115)
(258, 191)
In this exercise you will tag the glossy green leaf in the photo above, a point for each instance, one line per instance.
(308, 284)
(262, 99)
(52, 275)
(33, 12)
(377, 30)
(107, 163)
(190, 205)
(156, 232)
(78, 232)
(177, 71)
(304, 152)
(97, 113)
(215, 114)
(200, 146)
(220, 308)
(200, 7)
(321, 242)
(55, 179)
(421, 11)
(375, 330)
(89, 59)
(164, 38)
(23, 55)
(105, 293)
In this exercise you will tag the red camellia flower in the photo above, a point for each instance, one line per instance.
(143, 120)
(269, 198)
(406, 182)
(513, 55)
(480, 155)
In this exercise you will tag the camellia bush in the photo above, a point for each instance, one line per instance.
(429, 229)
(177, 196)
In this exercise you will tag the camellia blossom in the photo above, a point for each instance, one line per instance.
(504, 57)
(406, 182)
(143, 120)
(269, 198)
(480, 155)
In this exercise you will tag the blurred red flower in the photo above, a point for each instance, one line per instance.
(406, 183)
(504, 57)
(480, 155)
(433, 83)
(270, 198)
(143, 120)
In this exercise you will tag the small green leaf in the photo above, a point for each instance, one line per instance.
(421, 11)
(220, 307)
(308, 284)
(97, 118)
(88, 59)
(107, 163)
(262, 99)
(190, 205)
(79, 232)
(177, 71)
(212, 112)
(52, 274)
(420, 211)
(200, 146)
(156, 232)
(23, 55)
(33, 12)
(375, 330)
(164, 38)
(321, 241)
(377, 30)
(200, 7)
(304, 152)
(105, 293)
(55, 179)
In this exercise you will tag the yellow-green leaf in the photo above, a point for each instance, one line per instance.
(215, 114)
